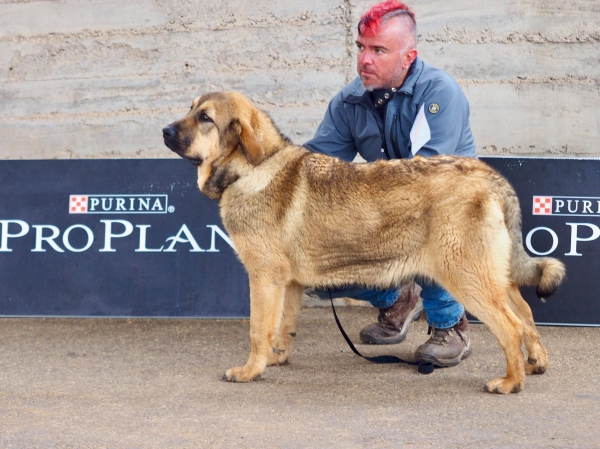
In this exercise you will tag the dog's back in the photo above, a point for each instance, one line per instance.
(338, 216)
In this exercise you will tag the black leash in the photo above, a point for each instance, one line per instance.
(422, 367)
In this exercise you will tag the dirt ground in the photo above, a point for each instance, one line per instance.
(118, 383)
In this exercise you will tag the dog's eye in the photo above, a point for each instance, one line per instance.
(203, 117)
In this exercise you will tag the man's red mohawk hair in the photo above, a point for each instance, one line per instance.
(371, 21)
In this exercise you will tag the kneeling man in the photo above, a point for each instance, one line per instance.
(399, 107)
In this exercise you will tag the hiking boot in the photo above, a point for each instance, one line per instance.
(446, 347)
(393, 322)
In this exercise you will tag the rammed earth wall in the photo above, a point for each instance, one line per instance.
(100, 78)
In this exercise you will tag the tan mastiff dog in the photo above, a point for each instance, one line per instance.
(302, 219)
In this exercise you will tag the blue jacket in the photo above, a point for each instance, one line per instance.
(352, 124)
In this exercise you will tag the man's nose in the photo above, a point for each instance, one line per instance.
(364, 58)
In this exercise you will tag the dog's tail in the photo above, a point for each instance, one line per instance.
(544, 272)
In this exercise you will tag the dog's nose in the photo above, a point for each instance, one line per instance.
(168, 132)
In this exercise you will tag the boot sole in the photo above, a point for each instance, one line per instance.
(444, 363)
(414, 315)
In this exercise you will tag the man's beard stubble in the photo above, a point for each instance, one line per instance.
(397, 75)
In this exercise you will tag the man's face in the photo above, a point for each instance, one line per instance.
(380, 59)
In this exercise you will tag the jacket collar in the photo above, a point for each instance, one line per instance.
(358, 94)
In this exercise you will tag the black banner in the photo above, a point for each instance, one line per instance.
(137, 238)
(560, 200)
(114, 238)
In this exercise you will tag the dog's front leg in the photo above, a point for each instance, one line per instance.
(266, 310)
(282, 344)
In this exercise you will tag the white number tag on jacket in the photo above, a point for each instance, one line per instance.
(420, 133)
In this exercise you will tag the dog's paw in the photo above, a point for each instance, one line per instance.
(503, 385)
(240, 374)
(278, 357)
(535, 366)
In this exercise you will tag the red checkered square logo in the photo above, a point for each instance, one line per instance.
(78, 204)
(542, 205)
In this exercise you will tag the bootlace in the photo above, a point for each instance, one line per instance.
(440, 336)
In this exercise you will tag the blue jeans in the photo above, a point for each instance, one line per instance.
(442, 309)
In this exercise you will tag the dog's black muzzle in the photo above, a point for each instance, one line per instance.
(169, 132)
(171, 139)
(174, 143)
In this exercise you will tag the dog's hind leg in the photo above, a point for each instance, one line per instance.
(282, 344)
(487, 299)
(266, 311)
(494, 311)
(537, 356)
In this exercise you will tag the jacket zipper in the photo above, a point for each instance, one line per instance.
(394, 137)
(381, 133)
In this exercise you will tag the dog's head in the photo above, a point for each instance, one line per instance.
(221, 127)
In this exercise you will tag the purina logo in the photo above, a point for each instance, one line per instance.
(567, 206)
(119, 204)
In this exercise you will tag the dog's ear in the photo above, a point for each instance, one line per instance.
(251, 146)
(257, 136)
